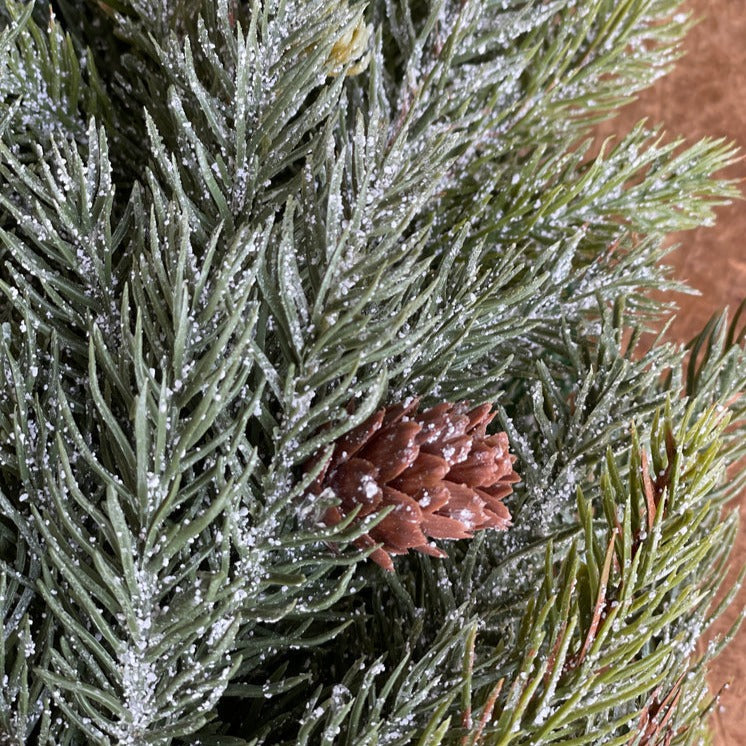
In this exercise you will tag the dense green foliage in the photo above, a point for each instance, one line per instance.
(221, 222)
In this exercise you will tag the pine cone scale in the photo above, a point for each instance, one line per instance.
(400, 529)
(356, 481)
(393, 450)
(348, 445)
(451, 451)
(432, 499)
(477, 474)
(427, 471)
(479, 418)
(442, 527)
(465, 505)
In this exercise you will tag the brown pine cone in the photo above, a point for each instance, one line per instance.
(445, 476)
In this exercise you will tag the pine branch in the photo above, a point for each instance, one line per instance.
(231, 231)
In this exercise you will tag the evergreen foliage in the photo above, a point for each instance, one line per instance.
(230, 230)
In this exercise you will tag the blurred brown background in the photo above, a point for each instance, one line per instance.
(706, 95)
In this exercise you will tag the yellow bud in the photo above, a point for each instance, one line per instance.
(352, 45)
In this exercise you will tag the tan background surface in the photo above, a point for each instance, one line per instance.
(706, 95)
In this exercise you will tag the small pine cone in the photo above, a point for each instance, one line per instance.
(445, 476)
